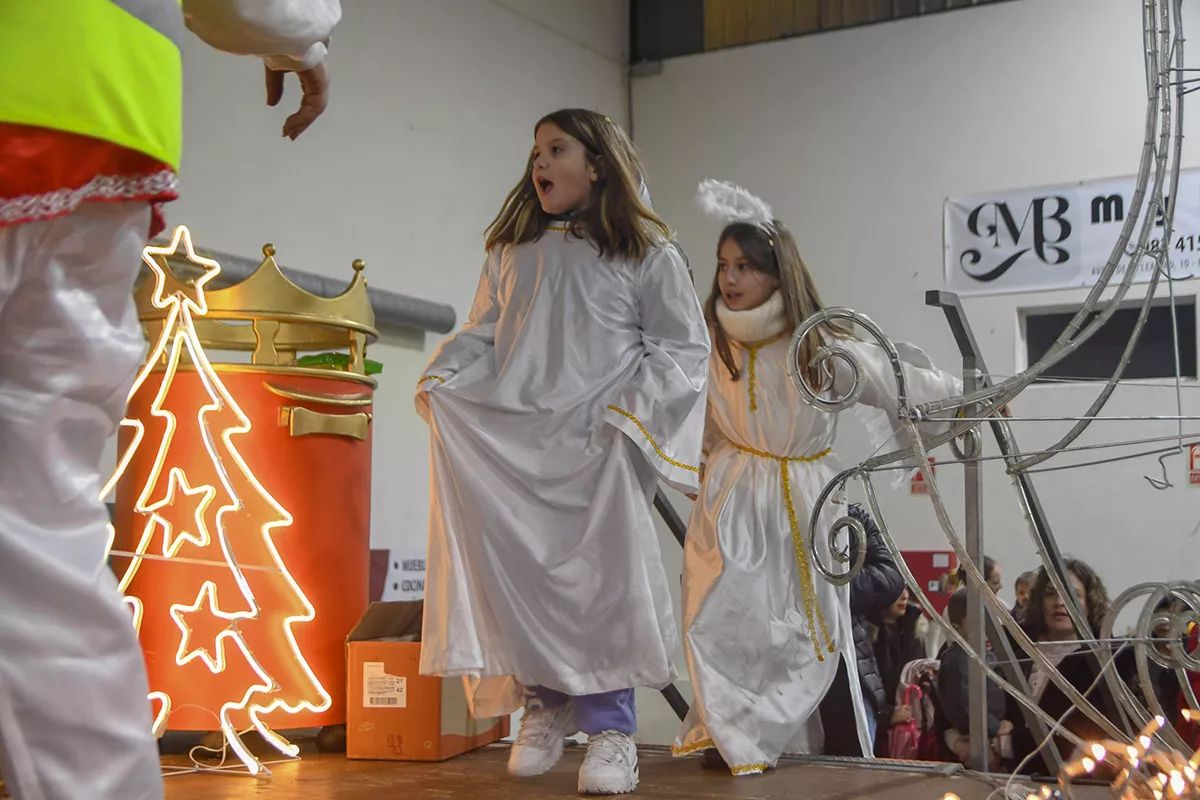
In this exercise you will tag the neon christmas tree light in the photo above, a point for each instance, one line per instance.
(223, 517)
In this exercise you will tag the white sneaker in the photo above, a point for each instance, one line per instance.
(539, 743)
(610, 766)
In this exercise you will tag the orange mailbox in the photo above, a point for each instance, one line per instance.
(242, 515)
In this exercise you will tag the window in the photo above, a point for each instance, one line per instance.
(1097, 358)
(663, 29)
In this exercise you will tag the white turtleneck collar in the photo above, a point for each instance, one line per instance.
(756, 324)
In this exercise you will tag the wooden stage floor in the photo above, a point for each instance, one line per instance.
(481, 774)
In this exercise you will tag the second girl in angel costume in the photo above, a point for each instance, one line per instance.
(763, 632)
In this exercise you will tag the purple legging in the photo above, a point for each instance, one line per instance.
(594, 713)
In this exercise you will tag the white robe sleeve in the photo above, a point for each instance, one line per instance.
(476, 339)
(878, 406)
(289, 35)
(662, 409)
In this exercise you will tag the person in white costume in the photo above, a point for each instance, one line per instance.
(577, 384)
(74, 717)
(763, 632)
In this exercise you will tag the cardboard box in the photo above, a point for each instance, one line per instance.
(393, 713)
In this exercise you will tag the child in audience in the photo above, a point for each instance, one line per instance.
(577, 384)
(954, 696)
(1021, 590)
(764, 635)
(935, 635)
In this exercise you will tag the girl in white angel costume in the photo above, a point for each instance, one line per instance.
(577, 384)
(763, 632)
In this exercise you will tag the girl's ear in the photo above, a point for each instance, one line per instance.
(595, 168)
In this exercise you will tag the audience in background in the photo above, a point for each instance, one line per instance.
(888, 636)
(896, 643)
(934, 635)
(954, 722)
(991, 574)
(1021, 588)
(1190, 730)
(1048, 623)
(872, 590)
(1168, 691)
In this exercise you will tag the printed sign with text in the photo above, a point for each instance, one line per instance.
(407, 578)
(917, 485)
(1058, 237)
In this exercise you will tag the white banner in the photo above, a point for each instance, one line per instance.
(1057, 237)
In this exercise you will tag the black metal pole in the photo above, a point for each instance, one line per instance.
(678, 704)
(670, 516)
(679, 530)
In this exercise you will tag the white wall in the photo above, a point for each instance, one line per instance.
(857, 137)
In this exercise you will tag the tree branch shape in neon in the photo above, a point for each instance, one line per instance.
(182, 306)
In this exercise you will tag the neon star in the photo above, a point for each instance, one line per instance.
(197, 305)
(208, 590)
(177, 480)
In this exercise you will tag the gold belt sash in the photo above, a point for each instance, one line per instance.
(812, 608)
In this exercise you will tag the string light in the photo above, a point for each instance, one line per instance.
(1145, 771)
(181, 307)
(1150, 772)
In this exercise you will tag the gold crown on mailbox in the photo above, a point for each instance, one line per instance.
(268, 316)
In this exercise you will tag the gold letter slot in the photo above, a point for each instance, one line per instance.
(349, 400)
(303, 422)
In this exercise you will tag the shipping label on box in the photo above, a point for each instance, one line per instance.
(381, 689)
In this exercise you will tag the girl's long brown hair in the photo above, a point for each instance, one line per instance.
(777, 255)
(616, 220)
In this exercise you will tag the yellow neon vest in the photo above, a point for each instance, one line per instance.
(110, 69)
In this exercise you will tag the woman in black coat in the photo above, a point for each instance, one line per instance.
(896, 643)
(1047, 623)
(872, 590)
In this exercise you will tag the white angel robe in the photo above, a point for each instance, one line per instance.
(763, 631)
(577, 384)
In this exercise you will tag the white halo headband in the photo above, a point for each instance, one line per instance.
(729, 203)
